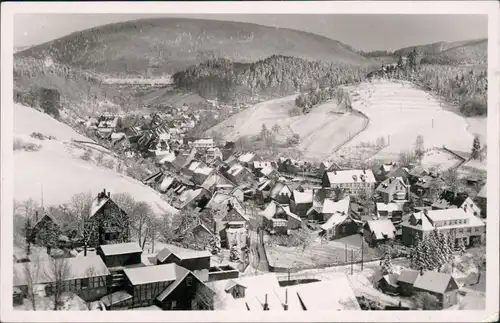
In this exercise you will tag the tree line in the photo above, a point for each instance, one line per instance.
(317, 96)
(272, 77)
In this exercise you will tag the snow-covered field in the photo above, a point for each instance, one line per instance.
(320, 131)
(439, 159)
(399, 112)
(60, 172)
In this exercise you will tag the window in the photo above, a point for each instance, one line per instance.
(189, 281)
(85, 282)
(173, 305)
(469, 230)
(460, 230)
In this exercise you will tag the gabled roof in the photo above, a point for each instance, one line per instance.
(231, 283)
(382, 229)
(449, 199)
(390, 184)
(120, 248)
(278, 188)
(79, 267)
(351, 176)
(303, 197)
(268, 170)
(389, 207)
(247, 157)
(339, 212)
(432, 281)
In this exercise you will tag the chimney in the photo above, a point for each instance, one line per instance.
(421, 271)
(285, 307)
(36, 216)
(266, 306)
(109, 195)
(104, 192)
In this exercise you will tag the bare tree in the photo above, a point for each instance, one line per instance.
(59, 272)
(31, 274)
(141, 222)
(80, 207)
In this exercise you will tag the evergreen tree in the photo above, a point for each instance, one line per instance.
(400, 62)
(461, 246)
(476, 148)
(419, 147)
(386, 265)
(428, 261)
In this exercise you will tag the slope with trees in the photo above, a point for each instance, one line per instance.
(272, 77)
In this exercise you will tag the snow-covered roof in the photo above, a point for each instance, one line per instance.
(247, 157)
(257, 287)
(429, 280)
(389, 207)
(334, 294)
(382, 229)
(120, 248)
(204, 142)
(167, 158)
(339, 212)
(79, 267)
(290, 214)
(262, 164)
(267, 170)
(351, 176)
(390, 183)
(303, 197)
(454, 214)
(153, 274)
(278, 189)
(236, 169)
(204, 170)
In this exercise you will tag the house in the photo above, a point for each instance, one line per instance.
(262, 194)
(328, 166)
(429, 187)
(221, 200)
(417, 173)
(389, 283)
(86, 276)
(213, 154)
(334, 294)
(258, 165)
(191, 198)
(239, 174)
(393, 189)
(168, 286)
(235, 229)
(353, 181)
(481, 200)
(441, 285)
(247, 159)
(290, 166)
(378, 231)
(106, 124)
(391, 211)
(278, 218)
(43, 228)
(456, 222)
(380, 172)
(338, 223)
(248, 293)
(301, 202)
(231, 190)
(450, 200)
(204, 143)
(322, 210)
(281, 193)
(196, 261)
(111, 221)
(120, 254)
(215, 179)
(269, 172)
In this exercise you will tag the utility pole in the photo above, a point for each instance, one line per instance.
(345, 252)
(288, 275)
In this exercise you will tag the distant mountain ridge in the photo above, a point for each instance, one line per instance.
(168, 45)
(461, 52)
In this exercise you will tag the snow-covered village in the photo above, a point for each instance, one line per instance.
(155, 169)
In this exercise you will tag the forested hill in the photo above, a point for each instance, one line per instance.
(272, 77)
(167, 45)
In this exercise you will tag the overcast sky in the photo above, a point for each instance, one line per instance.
(365, 32)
